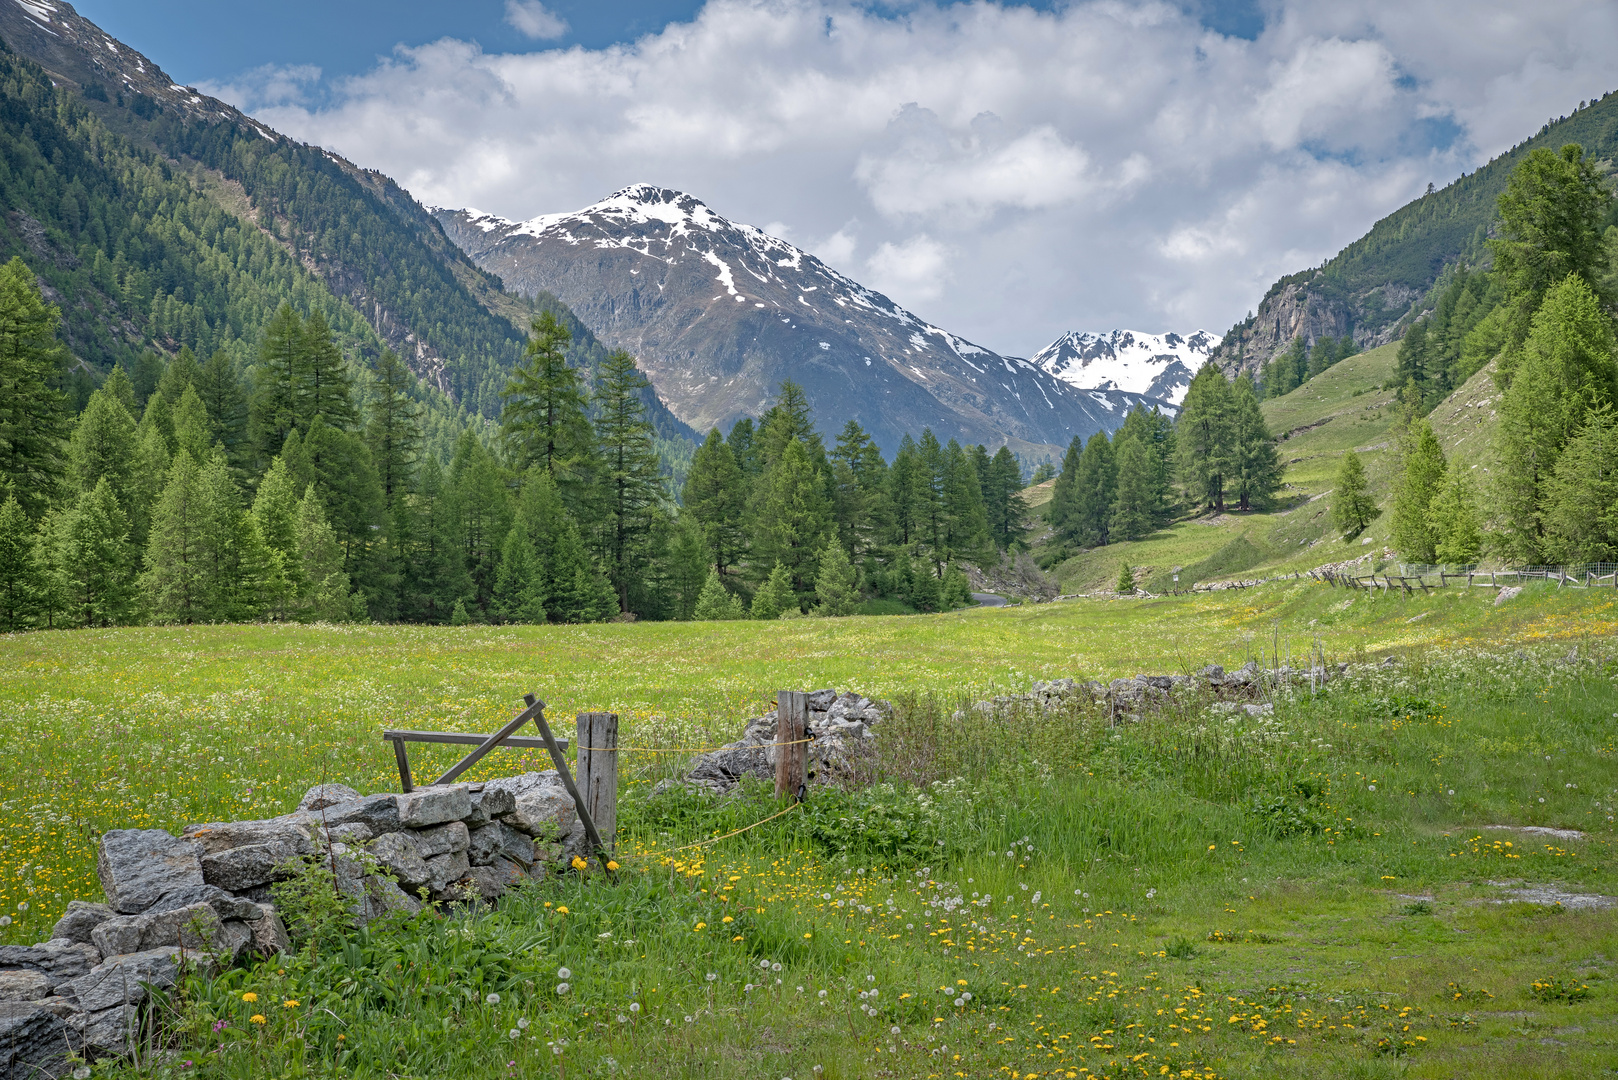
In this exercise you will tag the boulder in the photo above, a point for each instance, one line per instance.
(227, 905)
(296, 831)
(492, 881)
(196, 928)
(58, 959)
(1508, 593)
(235, 869)
(399, 856)
(820, 700)
(32, 1042)
(379, 813)
(499, 840)
(489, 803)
(352, 833)
(445, 870)
(434, 805)
(137, 866)
(110, 1032)
(542, 811)
(385, 896)
(24, 984)
(81, 918)
(235, 939)
(270, 933)
(1213, 674)
(321, 796)
(120, 980)
(441, 838)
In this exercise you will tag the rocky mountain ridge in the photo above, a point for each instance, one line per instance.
(1156, 366)
(718, 313)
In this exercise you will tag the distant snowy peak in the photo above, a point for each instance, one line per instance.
(1153, 365)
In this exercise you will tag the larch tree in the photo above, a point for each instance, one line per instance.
(33, 413)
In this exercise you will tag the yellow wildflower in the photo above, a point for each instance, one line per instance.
(249, 996)
(256, 1018)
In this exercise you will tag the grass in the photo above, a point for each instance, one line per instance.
(1314, 889)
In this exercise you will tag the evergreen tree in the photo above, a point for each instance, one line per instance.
(103, 446)
(238, 568)
(837, 583)
(632, 492)
(930, 509)
(715, 604)
(1551, 223)
(19, 587)
(1452, 518)
(1567, 369)
(743, 445)
(278, 381)
(1136, 496)
(792, 519)
(275, 510)
(1094, 487)
(1003, 500)
(98, 560)
(177, 375)
(481, 496)
(1581, 500)
(955, 590)
(159, 418)
(1255, 466)
(326, 590)
(175, 579)
(33, 413)
(53, 577)
(325, 390)
(191, 427)
(544, 421)
(1352, 507)
(775, 595)
(1420, 481)
(789, 418)
(436, 561)
(338, 465)
(1204, 437)
(147, 479)
(1062, 507)
(904, 480)
(966, 522)
(221, 393)
(685, 569)
(859, 478)
(519, 586)
(1126, 579)
(394, 430)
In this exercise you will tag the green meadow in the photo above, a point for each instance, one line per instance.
(1334, 889)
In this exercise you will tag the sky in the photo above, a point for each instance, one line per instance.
(1007, 171)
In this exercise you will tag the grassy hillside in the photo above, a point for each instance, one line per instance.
(1343, 408)
(1322, 893)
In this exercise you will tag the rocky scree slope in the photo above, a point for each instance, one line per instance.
(719, 313)
(1157, 366)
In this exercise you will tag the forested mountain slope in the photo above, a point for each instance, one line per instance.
(165, 217)
(1375, 282)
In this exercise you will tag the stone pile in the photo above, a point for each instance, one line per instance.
(838, 723)
(204, 897)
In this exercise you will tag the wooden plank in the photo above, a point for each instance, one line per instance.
(522, 742)
(404, 765)
(791, 727)
(512, 725)
(598, 772)
(557, 759)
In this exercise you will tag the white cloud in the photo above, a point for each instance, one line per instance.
(1007, 173)
(533, 19)
(268, 86)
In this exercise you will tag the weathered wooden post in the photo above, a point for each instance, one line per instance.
(792, 751)
(598, 772)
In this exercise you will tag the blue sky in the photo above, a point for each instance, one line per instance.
(206, 41)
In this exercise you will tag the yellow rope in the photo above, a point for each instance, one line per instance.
(690, 749)
(727, 836)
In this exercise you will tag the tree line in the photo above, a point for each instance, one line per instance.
(299, 491)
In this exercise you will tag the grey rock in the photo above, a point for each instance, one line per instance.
(522, 784)
(379, 813)
(1157, 682)
(575, 844)
(196, 928)
(398, 854)
(446, 869)
(81, 918)
(32, 1042)
(270, 933)
(542, 811)
(1213, 673)
(732, 763)
(227, 905)
(499, 840)
(24, 984)
(119, 980)
(110, 1032)
(386, 896)
(820, 700)
(441, 838)
(235, 869)
(323, 795)
(296, 831)
(434, 805)
(235, 939)
(353, 833)
(59, 959)
(1506, 594)
(136, 866)
(495, 879)
(60, 1006)
(490, 803)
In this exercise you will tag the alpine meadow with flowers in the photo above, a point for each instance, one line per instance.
(1406, 871)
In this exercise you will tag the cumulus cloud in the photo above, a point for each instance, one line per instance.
(269, 86)
(1007, 173)
(532, 19)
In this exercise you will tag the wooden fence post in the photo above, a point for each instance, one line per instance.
(598, 772)
(791, 727)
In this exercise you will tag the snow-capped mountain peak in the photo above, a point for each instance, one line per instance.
(1154, 365)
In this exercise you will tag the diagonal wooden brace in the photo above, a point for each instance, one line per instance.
(535, 708)
(538, 708)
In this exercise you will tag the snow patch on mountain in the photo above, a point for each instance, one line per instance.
(1154, 365)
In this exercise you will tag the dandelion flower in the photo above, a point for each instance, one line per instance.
(522, 1022)
(563, 973)
(562, 910)
(611, 865)
(249, 996)
(493, 999)
(808, 936)
(513, 1034)
(634, 1006)
(562, 988)
(290, 1003)
(578, 863)
(727, 918)
(256, 1018)
(701, 926)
